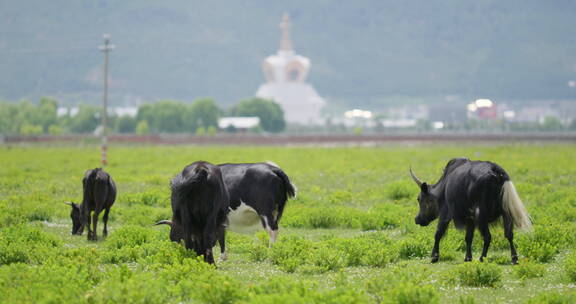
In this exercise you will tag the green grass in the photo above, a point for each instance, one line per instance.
(349, 236)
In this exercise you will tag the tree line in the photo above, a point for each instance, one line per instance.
(166, 116)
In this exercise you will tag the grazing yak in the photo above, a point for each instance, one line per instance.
(258, 193)
(199, 206)
(99, 193)
(472, 194)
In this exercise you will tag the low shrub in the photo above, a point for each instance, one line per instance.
(538, 250)
(415, 247)
(403, 284)
(529, 270)
(26, 244)
(328, 259)
(258, 253)
(131, 236)
(553, 297)
(123, 285)
(66, 282)
(570, 266)
(477, 274)
(400, 190)
(290, 252)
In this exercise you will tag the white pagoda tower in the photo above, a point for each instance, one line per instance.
(285, 75)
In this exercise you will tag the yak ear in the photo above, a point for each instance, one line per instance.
(424, 187)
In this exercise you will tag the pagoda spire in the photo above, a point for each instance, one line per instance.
(286, 42)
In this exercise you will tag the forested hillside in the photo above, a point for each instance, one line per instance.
(364, 53)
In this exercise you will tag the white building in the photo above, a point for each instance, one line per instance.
(286, 74)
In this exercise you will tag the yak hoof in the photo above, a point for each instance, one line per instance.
(468, 259)
(514, 260)
(435, 259)
(481, 259)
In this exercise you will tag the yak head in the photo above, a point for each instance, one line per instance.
(176, 231)
(427, 201)
(76, 216)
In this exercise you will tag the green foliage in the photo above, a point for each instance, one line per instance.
(570, 266)
(86, 120)
(403, 284)
(343, 189)
(290, 253)
(165, 116)
(270, 113)
(553, 297)
(401, 190)
(26, 244)
(477, 274)
(142, 128)
(204, 113)
(258, 253)
(125, 124)
(200, 131)
(529, 270)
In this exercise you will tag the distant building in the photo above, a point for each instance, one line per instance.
(114, 111)
(238, 123)
(286, 74)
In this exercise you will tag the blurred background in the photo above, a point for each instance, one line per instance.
(293, 67)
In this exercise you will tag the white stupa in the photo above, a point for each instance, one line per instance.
(285, 75)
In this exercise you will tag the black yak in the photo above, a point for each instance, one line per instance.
(472, 194)
(99, 193)
(199, 207)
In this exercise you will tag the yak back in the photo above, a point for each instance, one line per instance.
(99, 190)
(472, 190)
(257, 182)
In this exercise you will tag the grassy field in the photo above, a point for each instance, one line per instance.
(348, 237)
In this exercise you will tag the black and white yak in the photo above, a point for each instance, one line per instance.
(258, 193)
(199, 207)
(99, 194)
(472, 194)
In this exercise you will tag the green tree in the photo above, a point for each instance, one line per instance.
(203, 113)
(163, 116)
(8, 117)
(86, 120)
(142, 128)
(125, 124)
(551, 123)
(270, 113)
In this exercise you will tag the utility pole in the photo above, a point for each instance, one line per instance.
(106, 48)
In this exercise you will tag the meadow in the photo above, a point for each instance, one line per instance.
(348, 237)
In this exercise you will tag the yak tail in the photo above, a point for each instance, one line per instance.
(513, 207)
(289, 188)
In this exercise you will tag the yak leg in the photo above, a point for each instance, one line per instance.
(209, 240)
(88, 224)
(94, 225)
(105, 219)
(440, 230)
(509, 233)
(485, 231)
(271, 225)
(469, 238)
(222, 242)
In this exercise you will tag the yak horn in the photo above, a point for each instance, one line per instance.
(416, 180)
(68, 203)
(167, 222)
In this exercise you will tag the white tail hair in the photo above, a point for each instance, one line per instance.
(513, 206)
